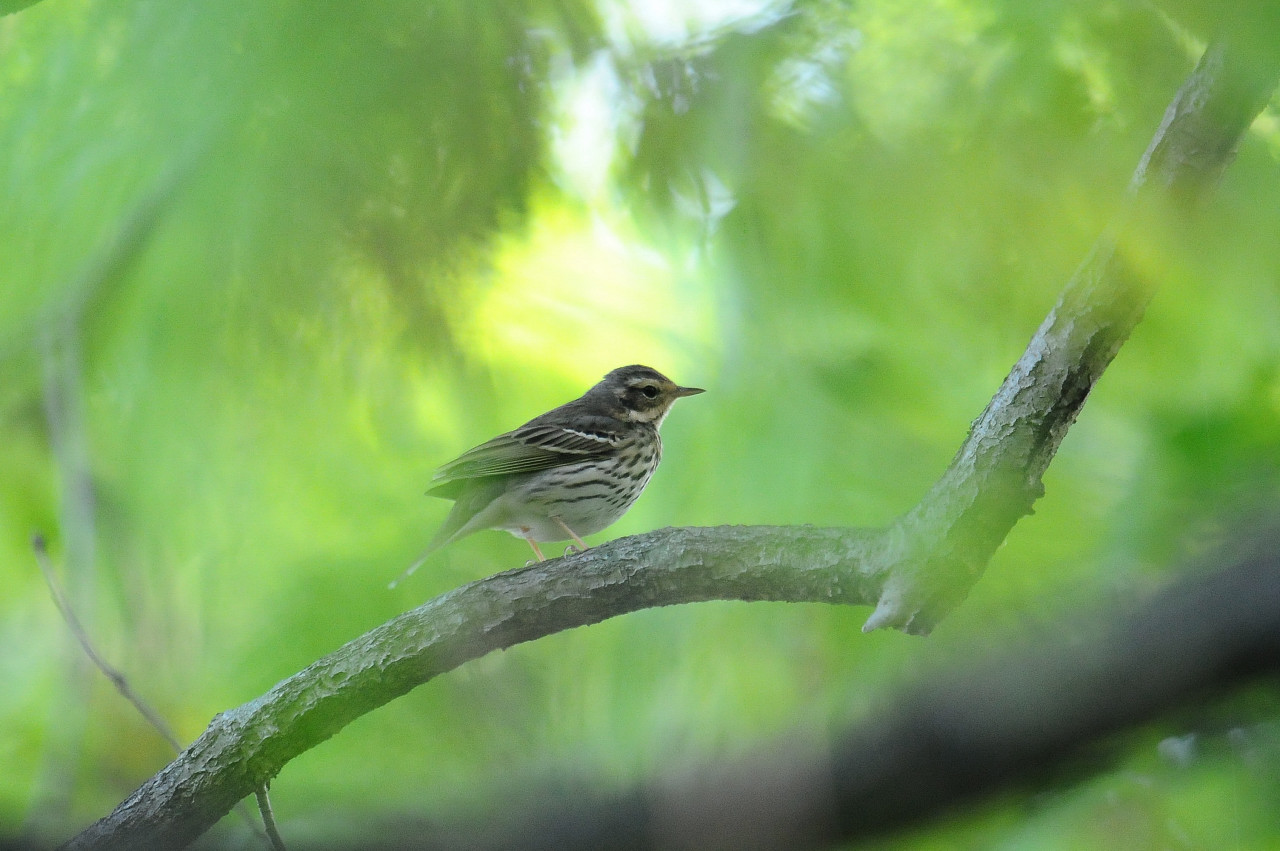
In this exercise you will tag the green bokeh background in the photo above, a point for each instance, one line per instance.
(384, 232)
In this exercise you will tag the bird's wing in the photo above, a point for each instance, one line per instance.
(536, 445)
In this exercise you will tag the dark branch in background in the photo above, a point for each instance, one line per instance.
(60, 333)
(914, 572)
(1022, 722)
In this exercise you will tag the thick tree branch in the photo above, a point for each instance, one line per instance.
(995, 478)
(1026, 720)
(244, 748)
(914, 571)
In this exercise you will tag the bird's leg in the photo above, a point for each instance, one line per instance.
(536, 551)
(582, 545)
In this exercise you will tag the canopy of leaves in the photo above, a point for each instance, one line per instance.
(267, 264)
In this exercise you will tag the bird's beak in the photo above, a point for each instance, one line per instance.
(681, 392)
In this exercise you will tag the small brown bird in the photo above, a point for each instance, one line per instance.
(563, 475)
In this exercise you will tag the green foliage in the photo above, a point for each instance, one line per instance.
(386, 232)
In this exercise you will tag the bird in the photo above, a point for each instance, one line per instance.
(563, 475)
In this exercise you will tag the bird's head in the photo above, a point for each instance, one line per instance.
(640, 394)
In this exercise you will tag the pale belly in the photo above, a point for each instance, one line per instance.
(584, 497)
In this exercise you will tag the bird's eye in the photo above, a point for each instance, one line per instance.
(650, 390)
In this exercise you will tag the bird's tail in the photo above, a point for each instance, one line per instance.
(452, 529)
(442, 537)
(467, 504)
(408, 571)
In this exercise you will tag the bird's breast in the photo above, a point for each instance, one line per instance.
(586, 496)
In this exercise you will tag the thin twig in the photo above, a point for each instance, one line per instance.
(77, 629)
(118, 679)
(269, 817)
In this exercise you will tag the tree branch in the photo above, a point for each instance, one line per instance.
(995, 478)
(913, 571)
(1027, 720)
(58, 332)
(244, 748)
(119, 680)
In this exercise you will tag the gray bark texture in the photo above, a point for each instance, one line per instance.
(1029, 720)
(914, 571)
